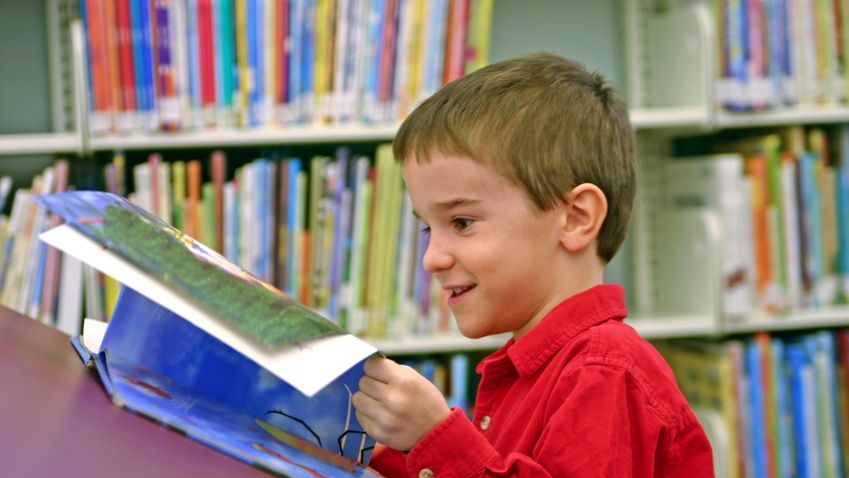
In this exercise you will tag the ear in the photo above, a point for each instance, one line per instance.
(585, 208)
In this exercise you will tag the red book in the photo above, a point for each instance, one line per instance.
(99, 66)
(206, 61)
(387, 58)
(455, 44)
(110, 24)
(125, 55)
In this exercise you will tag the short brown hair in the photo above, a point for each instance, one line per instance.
(543, 122)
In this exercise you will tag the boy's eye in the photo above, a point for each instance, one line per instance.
(461, 223)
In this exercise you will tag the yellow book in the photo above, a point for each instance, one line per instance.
(478, 37)
(323, 58)
(706, 375)
(178, 191)
(111, 290)
(384, 243)
(246, 80)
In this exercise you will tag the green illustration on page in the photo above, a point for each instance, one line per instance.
(253, 307)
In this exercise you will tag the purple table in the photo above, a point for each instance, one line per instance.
(56, 419)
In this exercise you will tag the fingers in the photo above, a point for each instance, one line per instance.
(379, 368)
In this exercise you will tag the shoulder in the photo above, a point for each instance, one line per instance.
(615, 358)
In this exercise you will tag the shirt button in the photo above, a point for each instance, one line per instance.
(426, 473)
(485, 422)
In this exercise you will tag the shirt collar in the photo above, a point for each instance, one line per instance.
(568, 319)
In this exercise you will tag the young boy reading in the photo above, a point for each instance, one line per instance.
(523, 174)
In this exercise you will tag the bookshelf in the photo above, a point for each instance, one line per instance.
(627, 41)
(661, 54)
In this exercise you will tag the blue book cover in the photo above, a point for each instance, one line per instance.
(810, 165)
(842, 206)
(191, 365)
(294, 217)
(307, 69)
(803, 390)
(756, 408)
(297, 19)
(140, 15)
(193, 58)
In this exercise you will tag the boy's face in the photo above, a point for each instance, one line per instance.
(501, 263)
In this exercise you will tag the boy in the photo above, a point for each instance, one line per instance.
(523, 174)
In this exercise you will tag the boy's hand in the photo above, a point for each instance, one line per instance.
(396, 405)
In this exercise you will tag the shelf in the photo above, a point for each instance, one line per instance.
(38, 143)
(641, 119)
(218, 138)
(799, 320)
(442, 343)
(655, 328)
(782, 117)
(696, 325)
(683, 117)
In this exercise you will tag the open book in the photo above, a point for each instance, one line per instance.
(199, 344)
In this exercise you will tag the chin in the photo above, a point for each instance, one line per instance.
(472, 332)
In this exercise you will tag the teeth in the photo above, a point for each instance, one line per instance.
(458, 290)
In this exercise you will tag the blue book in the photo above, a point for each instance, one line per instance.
(306, 102)
(803, 398)
(294, 224)
(193, 61)
(810, 210)
(200, 345)
(754, 369)
(783, 406)
(842, 192)
(140, 16)
(459, 391)
(297, 18)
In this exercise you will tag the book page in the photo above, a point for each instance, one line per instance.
(307, 366)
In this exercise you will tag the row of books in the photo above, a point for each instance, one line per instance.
(335, 232)
(774, 405)
(190, 64)
(783, 201)
(777, 53)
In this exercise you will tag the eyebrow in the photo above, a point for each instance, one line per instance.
(451, 204)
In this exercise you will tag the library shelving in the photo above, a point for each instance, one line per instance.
(662, 55)
(665, 57)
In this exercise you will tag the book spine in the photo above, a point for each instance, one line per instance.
(227, 66)
(127, 122)
(206, 62)
(168, 103)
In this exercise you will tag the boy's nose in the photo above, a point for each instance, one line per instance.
(436, 257)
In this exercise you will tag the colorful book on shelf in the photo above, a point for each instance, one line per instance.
(101, 106)
(226, 65)
(202, 346)
(144, 65)
(478, 35)
(803, 390)
(842, 212)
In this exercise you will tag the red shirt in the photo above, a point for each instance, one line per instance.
(580, 395)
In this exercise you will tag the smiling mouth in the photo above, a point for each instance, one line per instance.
(455, 291)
